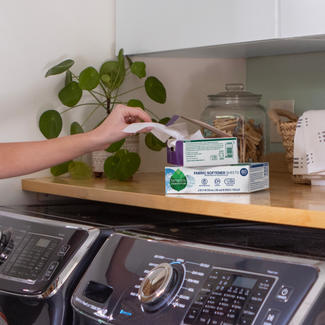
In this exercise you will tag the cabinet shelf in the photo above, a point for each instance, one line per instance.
(284, 203)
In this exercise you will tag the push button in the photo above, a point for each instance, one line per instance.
(284, 293)
(63, 250)
(51, 269)
(271, 317)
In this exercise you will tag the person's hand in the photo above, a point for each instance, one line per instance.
(111, 130)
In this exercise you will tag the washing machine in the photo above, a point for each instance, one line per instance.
(40, 263)
(223, 274)
(45, 249)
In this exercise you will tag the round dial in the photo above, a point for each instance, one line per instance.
(160, 286)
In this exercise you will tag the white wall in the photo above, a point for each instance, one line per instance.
(188, 81)
(36, 34)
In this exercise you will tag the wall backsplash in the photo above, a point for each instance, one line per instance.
(300, 77)
(188, 82)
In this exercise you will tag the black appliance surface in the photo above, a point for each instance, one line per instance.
(23, 283)
(101, 214)
(279, 239)
(40, 264)
(138, 278)
(243, 244)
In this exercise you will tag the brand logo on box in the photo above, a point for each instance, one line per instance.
(244, 171)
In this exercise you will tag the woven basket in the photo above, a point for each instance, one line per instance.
(287, 130)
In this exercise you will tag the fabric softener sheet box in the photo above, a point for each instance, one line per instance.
(203, 152)
(239, 178)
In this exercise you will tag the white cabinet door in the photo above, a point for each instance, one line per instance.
(302, 18)
(144, 26)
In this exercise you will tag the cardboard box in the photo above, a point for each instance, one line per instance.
(203, 152)
(239, 178)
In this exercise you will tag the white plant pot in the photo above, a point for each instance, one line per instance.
(98, 157)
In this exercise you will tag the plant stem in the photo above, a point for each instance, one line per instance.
(91, 93)
(106, 91)
(99, 102)
(84, 104)
(128, 91)
(88, 117)
(108, 105)
(98, 93)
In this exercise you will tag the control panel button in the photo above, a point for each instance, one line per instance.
(284, 293)
(230, 298)
(63, 250)
(51, 269)
(192, 314)
(271, 317)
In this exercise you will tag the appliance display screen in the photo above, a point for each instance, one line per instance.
(42, 242)
(242, 282)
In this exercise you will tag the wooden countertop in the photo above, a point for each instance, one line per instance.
(284, 203)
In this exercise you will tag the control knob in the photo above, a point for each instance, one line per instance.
(161, 285)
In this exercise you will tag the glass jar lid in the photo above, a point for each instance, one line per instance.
(235, 92)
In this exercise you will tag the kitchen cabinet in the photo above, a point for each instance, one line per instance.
(284, 203)
(145, 26)
(223, 28)
(302, 18)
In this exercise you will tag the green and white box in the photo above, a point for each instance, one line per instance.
(203, 152)
(239, 178)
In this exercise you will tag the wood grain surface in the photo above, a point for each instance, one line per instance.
(284, 203)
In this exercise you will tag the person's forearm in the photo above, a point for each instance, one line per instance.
(27, 157)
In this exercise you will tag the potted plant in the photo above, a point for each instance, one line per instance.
(103, 86)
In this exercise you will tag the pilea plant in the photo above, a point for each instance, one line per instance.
(103, 86)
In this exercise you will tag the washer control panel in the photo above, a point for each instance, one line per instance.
(32, 251)
(140, 280)
(229, 296)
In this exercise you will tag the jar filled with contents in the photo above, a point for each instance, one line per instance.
(239, 114)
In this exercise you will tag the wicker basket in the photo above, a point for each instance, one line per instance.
(287, 130)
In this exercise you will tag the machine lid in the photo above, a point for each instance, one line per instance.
(287, 240)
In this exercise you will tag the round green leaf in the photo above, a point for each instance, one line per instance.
(116, 73)
(155, 90)
(110, 166)
(50, 124)
(88, 78)
(139, 69)
(59, 68)
(68, 77)
(122, 165)
(153, 142)
(115, 146)
(128, 166)
(76, 128)
(79, 170)
(135, 103)
(60, 169)
(121, 153)
(70, 94)
(106, 79)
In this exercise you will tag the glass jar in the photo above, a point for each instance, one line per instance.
(238, 113)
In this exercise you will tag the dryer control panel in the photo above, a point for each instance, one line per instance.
(142, 280)
(34, 251)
